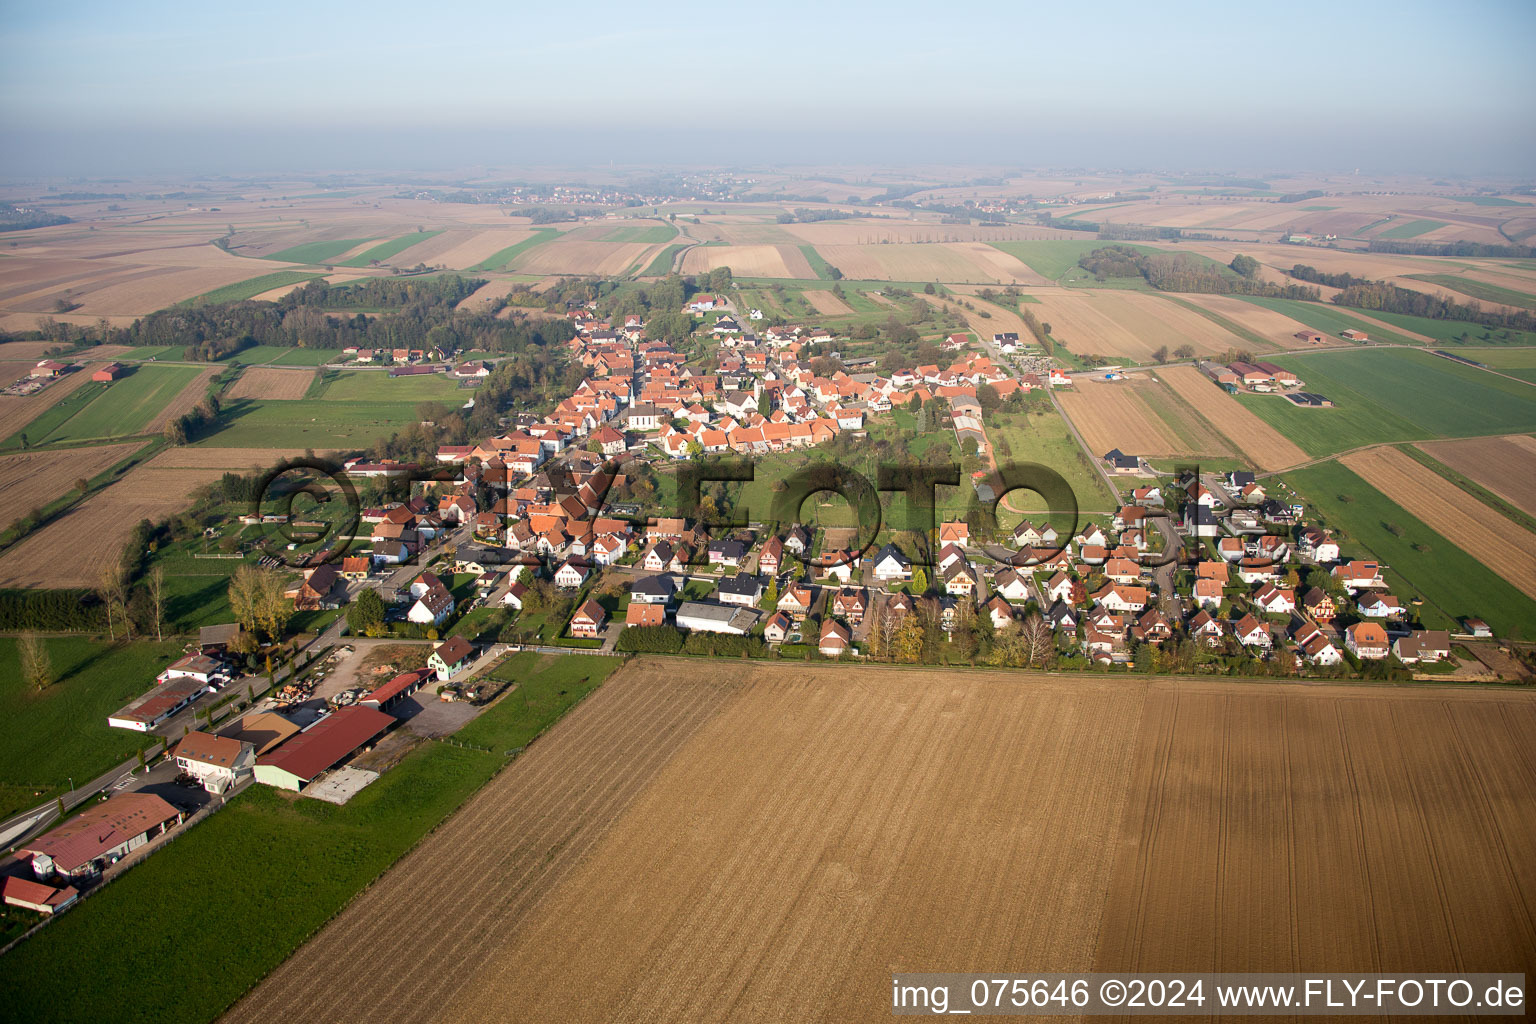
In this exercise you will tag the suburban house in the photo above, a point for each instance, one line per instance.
(1251, 632)
(1012, 586)
(778, 628)
(959, 578)
(1118, 597)
(796, 600)
(321, 747)
(1120, 462)
(101, 835)
(218, 762)
(1423, 645)
(743, 589)
(589, 619)
(450, 657)
(638, 613)
(954, 533)
(1358, 575)
(728, 552)
(891, 564)
(315, 591)
(652, 590)
(1318, 604)
(1381, 606)
(835, 638)
(571, 575)
(769, 559)
(850, 603)
(1367, 641)
(432, 606)
(1001, 612)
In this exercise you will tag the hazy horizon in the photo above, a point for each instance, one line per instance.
(98, 90)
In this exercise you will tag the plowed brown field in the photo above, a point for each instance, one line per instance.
(749, 261)
(1478, 530)
(1265, 446)
(1504, 465)
(1113, 415)
(826, 302)
(33, 479)
(272, 382)
(772, 843)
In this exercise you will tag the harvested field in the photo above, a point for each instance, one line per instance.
(33, 479)
(1112, 415)
(16, 413)
(70, 551)
(1266, 323)
(622, 737)
(469, 249)
(1127, 325)
(490, 291)
(1466, 522)
(785, 261)
(185, 401)
(1504, 465)
(962, 262)
(909, 232)
(271, 382)
(826, 302)
(1265, 447)
(779, 839)
(31, 352)
(610, 259)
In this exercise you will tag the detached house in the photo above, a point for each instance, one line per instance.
(589, 619)
(1367, 641)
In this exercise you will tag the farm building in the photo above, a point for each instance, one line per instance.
(101, 835)
(1310, 337)
(159, 704)
(263, 730)
(321, 747)
(49, 368)
(219, 762)
(1350, 334)
(397, 689)
(108, 373)
(45, 899)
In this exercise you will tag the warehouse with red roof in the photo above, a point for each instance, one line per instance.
(321, 747)
(85, 844)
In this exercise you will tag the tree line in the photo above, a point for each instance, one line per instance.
(1184, 272)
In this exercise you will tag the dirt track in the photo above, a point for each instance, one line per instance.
(772, 843)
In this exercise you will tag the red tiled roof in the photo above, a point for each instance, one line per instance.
(101, 828)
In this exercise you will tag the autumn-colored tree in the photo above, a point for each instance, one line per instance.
(36, 664)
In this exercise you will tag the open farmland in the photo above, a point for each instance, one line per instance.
(1113, 415)
(70, 550)
(609, 259)
(1394, 394)
(1274, 327)
(32, 479)
(781, 261)
(379, 386)
(770, 894)
(1484, 534)
(1120, 324)
(16, 413)
(1422, 562)
(1504, 465)
(271, 382)
(1263, 446)
(257, 423)
(961, 262)
(826, 302)
(141, 402)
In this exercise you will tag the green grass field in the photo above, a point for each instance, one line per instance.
(120, 409)
(251, 423)
(1052, 259)
(1450, 332)
(1491, 201)
(1504, 359)
(62, 732)
(379, 386)
(1411, 229)
(311, 859)
(278, 355)
(650, 235)
(242, 290)
(819, 265)
(1452, 582)
(390, 248)
(661, 265)
(317, 252)
(511, 252)
(156, 352)
(1326, 317)
(1020, 437)
(1479, 289)
(1394, 395)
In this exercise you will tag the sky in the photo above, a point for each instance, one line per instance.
(94, 89)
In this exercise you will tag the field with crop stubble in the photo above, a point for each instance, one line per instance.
(777, 840)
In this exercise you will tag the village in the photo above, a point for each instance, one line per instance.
(1193, 572)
